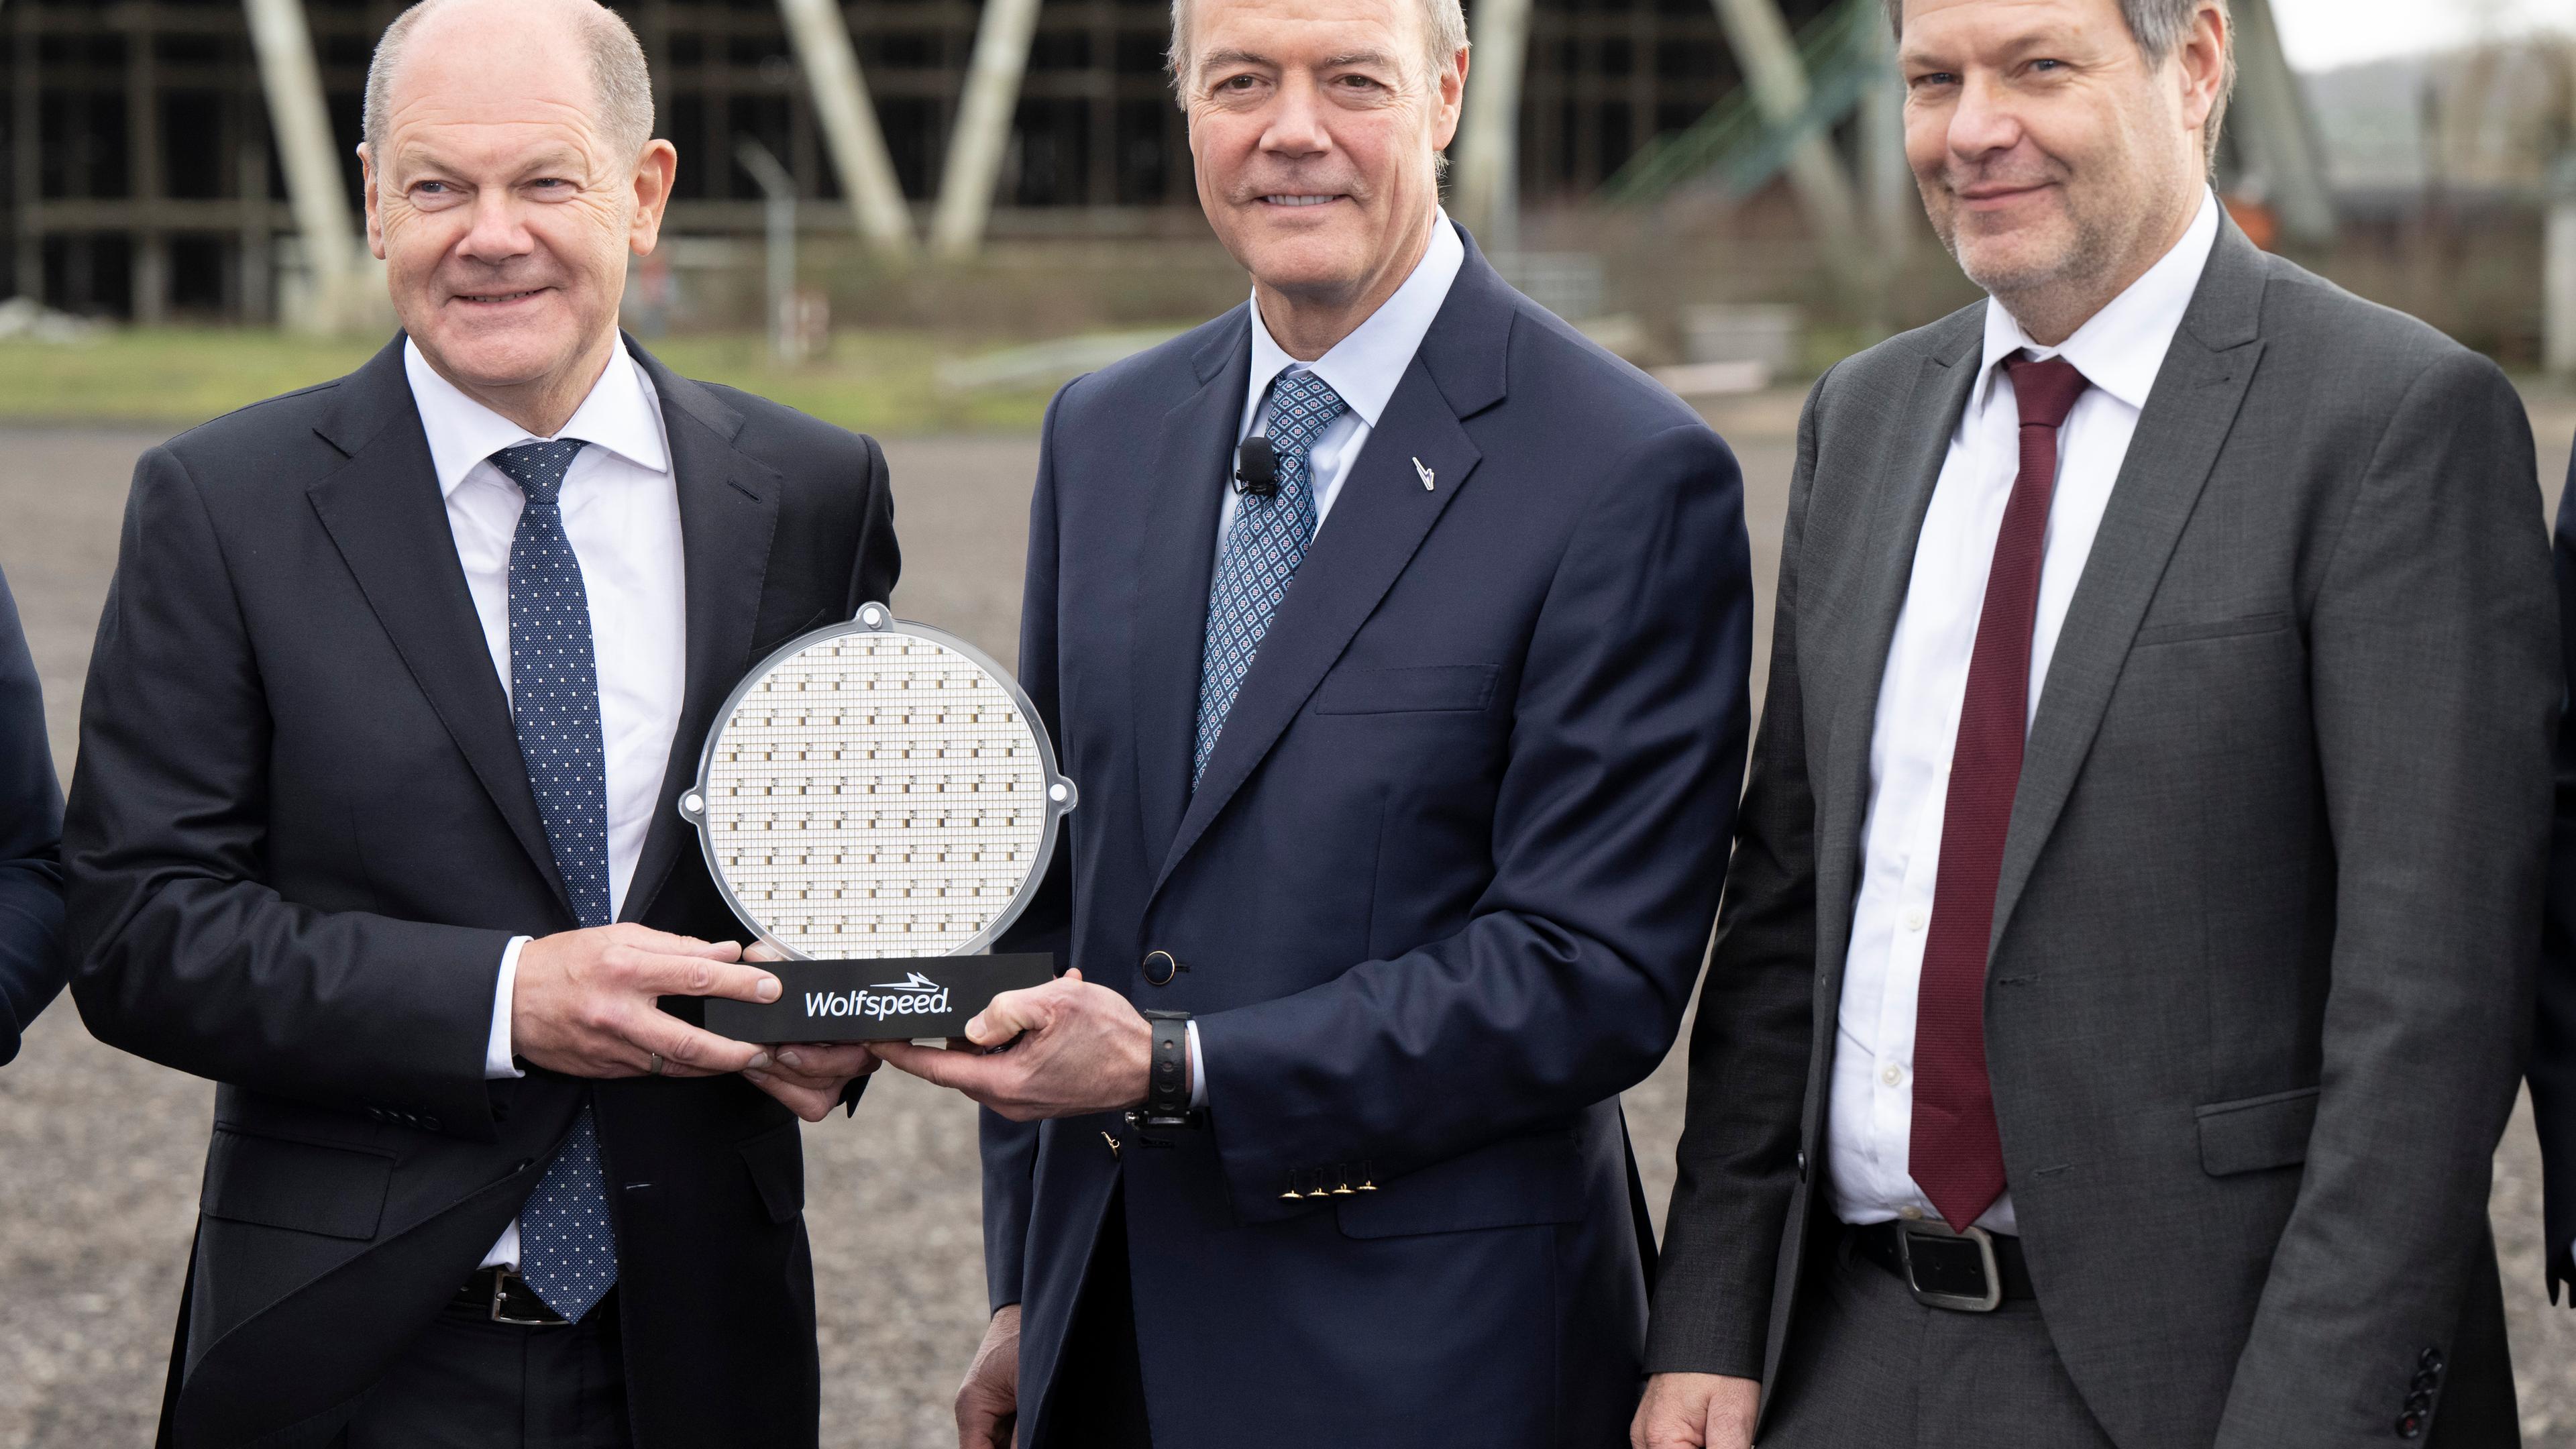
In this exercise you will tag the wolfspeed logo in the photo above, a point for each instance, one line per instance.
(915, 995)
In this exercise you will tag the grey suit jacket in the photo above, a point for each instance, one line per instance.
(2263, 945)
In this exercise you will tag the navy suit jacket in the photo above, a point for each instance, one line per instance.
(32, 965)
(1439, 897)
(2552, 1073)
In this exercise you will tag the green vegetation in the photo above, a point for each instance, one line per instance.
(875, 381)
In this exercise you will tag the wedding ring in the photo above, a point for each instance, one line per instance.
(657, 1064)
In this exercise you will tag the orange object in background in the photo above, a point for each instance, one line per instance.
(2255, 218)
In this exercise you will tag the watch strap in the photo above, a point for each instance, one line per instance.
(1167, 1073)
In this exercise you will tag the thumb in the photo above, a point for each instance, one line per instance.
(1011, 1013)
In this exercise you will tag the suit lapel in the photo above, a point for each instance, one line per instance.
(1902, 496)
(1378, 520)
(2188, 416)
(381, 506)
(1191, 459)
(384, 512)
(728, 519)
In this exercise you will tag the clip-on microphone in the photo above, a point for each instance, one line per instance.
(1256, 468)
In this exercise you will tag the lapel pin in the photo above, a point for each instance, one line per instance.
(1425, 472)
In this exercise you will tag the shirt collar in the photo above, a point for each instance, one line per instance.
(620, 415)
(2122, 347)
(1365, 367)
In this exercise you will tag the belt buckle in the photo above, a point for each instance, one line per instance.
(1950, 1270)
(502, 1278)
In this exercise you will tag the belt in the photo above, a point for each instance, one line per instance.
(499, 1293)
(1971, 1272)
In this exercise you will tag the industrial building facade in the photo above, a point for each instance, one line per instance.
(142, 180)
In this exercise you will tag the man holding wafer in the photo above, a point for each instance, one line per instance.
(1397, 638)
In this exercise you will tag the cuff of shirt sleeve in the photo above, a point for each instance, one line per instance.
(497, 1065)
(1198, 1071)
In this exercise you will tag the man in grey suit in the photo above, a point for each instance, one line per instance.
(2128, 944)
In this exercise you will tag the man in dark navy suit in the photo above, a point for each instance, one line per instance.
(32, 966)
(1408, 765)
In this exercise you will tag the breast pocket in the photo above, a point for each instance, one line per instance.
(2192, 631)
(1414, 689)
(773, 642)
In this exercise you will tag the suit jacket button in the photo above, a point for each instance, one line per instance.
(1802, 1164)
(1159, 968)
(2431, 1362)
(428, 1124)
(2410, 1426)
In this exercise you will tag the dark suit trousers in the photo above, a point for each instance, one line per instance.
(1866, 1364)
(470, 1383)
(1100, 1385)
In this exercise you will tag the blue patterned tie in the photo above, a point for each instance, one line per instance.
(567, 1247)
(1261, 553)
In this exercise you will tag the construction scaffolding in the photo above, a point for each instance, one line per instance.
(145, 179)
(196, 157)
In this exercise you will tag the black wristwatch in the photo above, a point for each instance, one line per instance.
(1167, 1076)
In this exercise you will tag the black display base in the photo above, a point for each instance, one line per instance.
(899, 999)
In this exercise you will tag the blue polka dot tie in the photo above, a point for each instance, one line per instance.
(1262, 552)
(567, 1246)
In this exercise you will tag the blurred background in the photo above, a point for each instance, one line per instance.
(917, 218)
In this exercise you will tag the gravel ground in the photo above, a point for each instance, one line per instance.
(100, 1153)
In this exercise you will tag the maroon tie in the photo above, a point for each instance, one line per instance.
(1956, 1154)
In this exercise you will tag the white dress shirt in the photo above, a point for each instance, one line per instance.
(1364, 368)
(621, 511)
(1871, 1110)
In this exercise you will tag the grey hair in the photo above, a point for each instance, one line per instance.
(2158, 26)
(619, 74)
(1444, 24)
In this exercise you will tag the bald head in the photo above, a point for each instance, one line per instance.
(620, 80)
